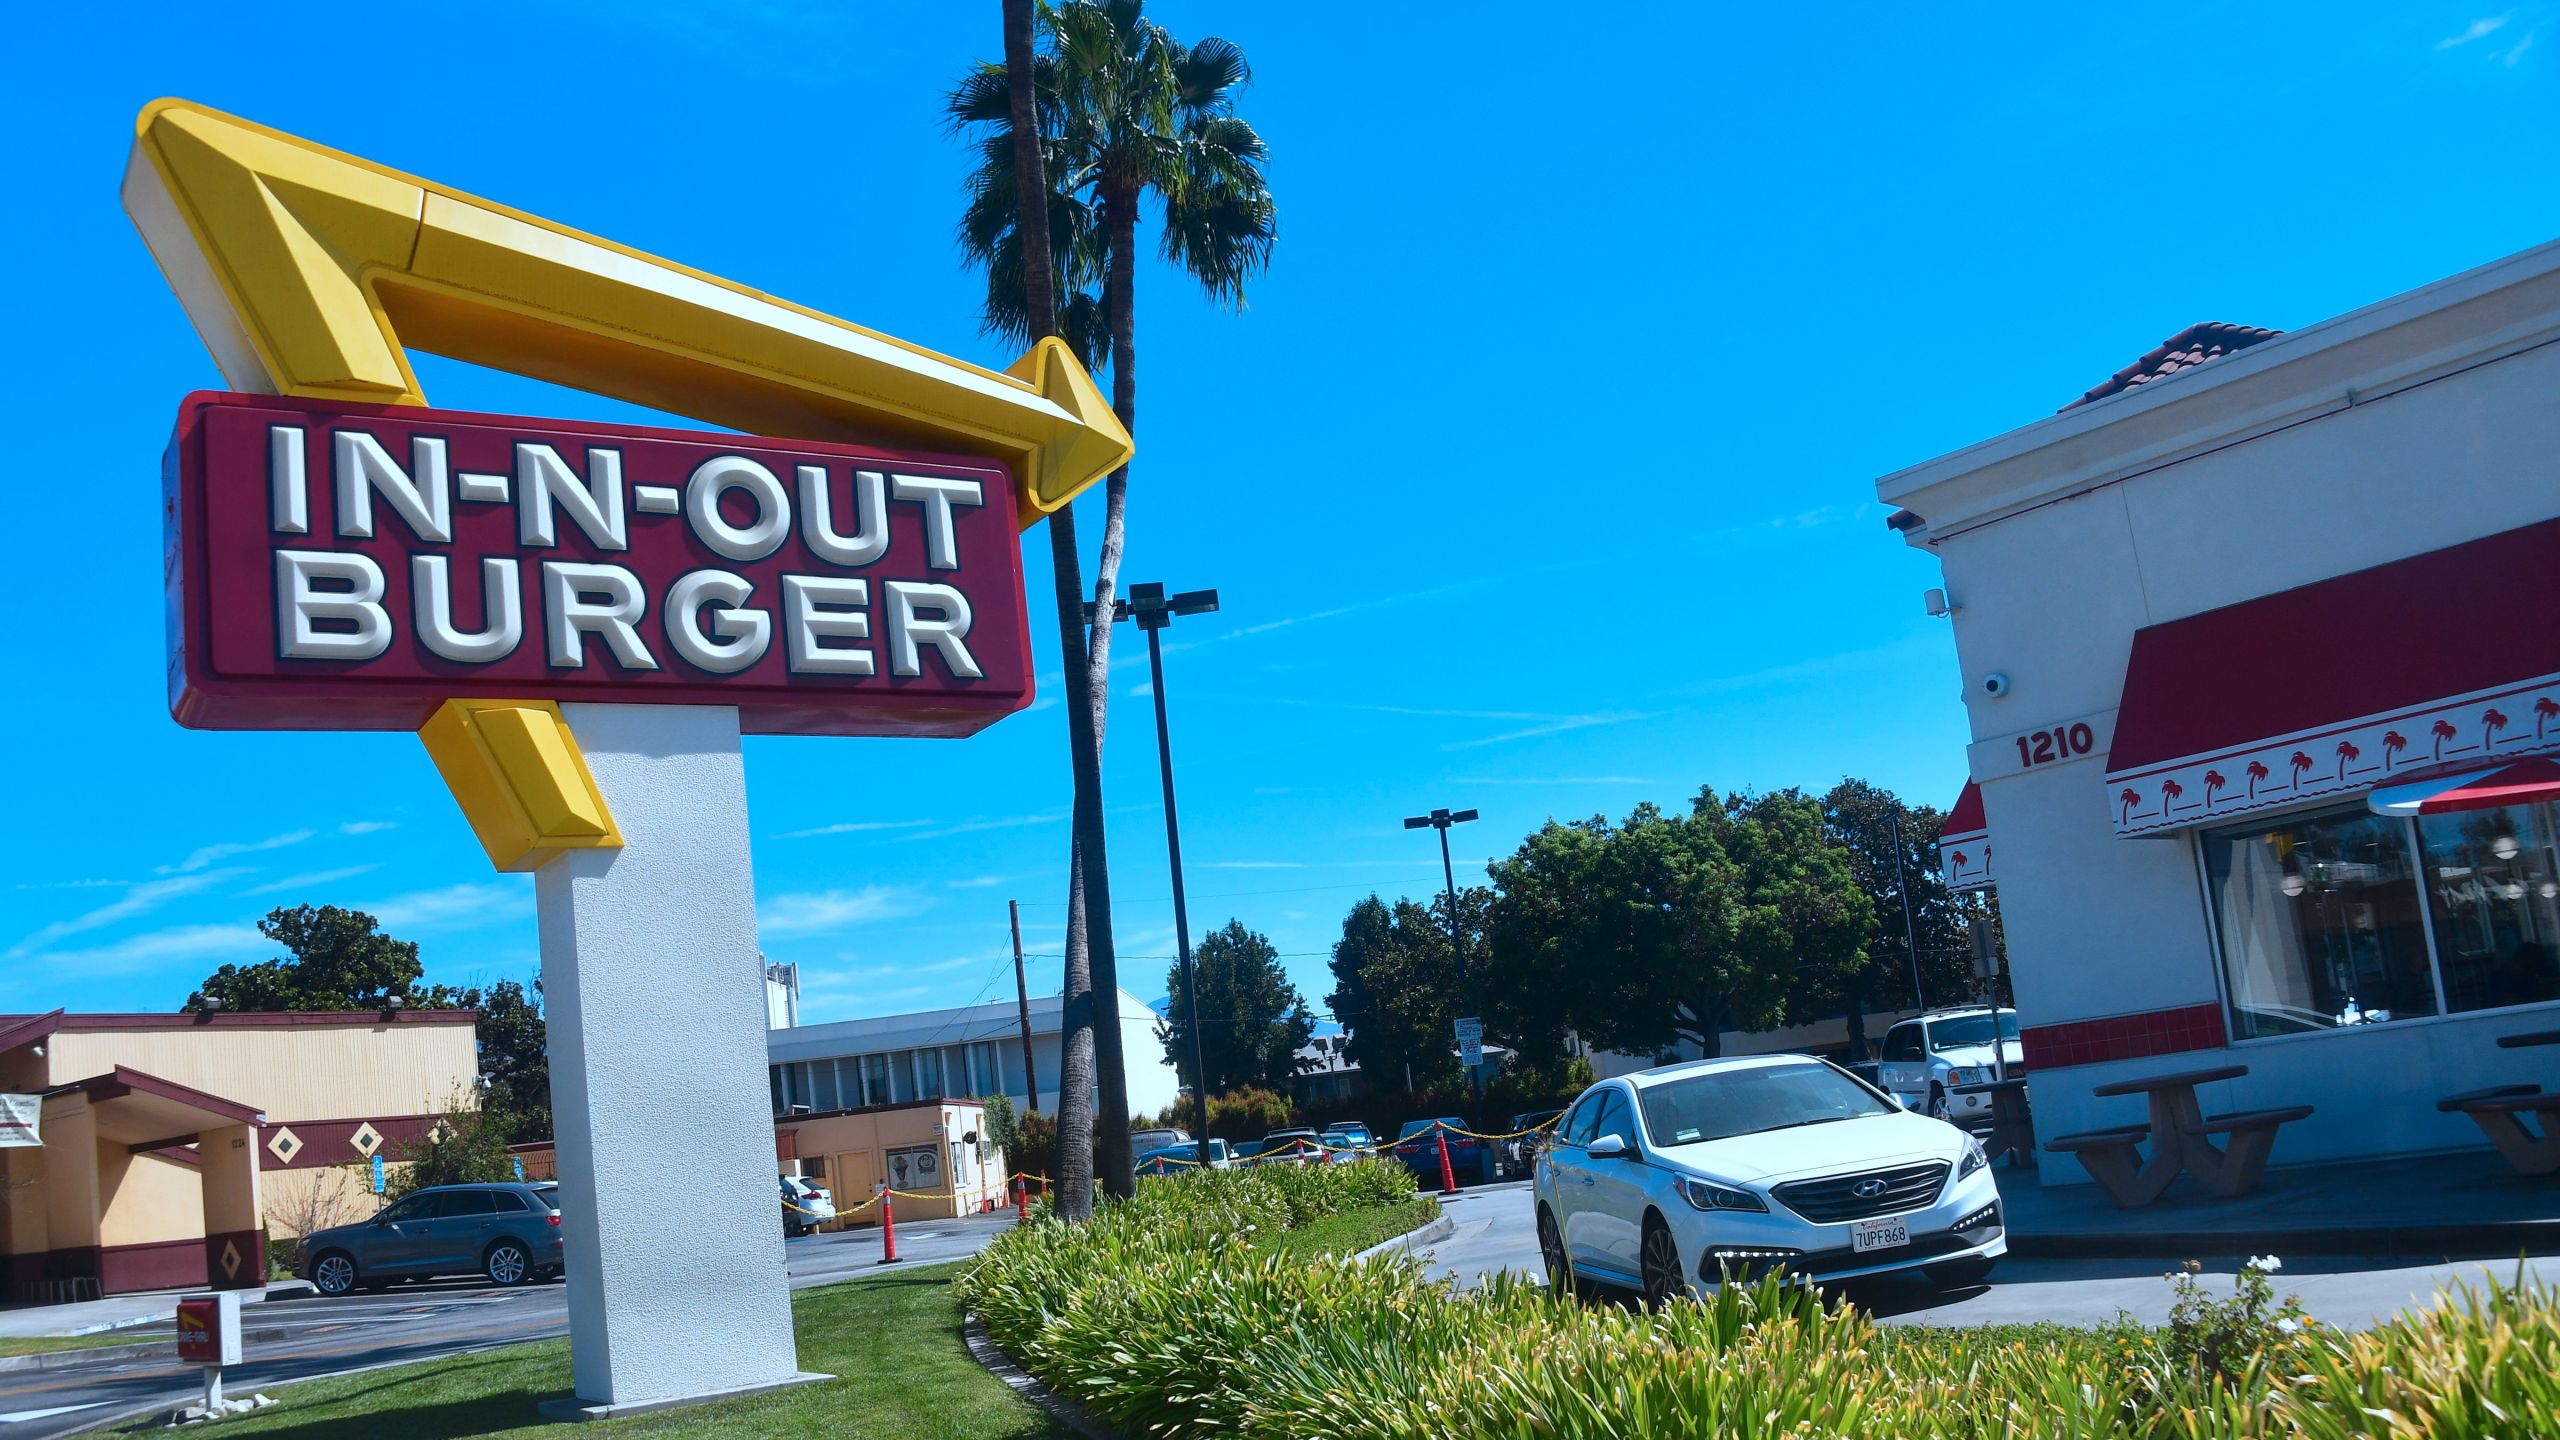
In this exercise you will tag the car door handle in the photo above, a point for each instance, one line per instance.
(1588, 1180)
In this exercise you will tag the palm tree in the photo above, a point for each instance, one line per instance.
(1120, 111)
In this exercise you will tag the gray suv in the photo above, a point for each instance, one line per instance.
(509, 1233)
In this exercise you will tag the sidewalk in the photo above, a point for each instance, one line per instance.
(2461, 1204)
(136, 1311)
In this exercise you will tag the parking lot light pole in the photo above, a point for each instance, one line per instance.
(1441, 820)
(1153, 610)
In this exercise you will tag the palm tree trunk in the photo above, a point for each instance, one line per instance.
(1040, 304)
(1111, 1130)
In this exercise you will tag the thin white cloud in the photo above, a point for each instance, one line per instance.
(998, 822)
(311, 881)
(1250, 865)
(228, 848)
(1556, 726)
(809, 912)
(853, 827)
(367, 827)
(977, 882)
(241, 944)
(140, 899)
(2515, 52)
(1554, 780)
(2477, 30)
(73, 884)
(1143, 690)
(454, 907)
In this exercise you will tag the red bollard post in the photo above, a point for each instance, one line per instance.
(1021, 1202)
(888, 1229)
(1448, 1177)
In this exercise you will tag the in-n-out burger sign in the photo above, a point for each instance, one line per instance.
(347, 567)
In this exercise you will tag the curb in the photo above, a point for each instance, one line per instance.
(165, 1348)
(1430, 1233)
(2501, 1240)
(991, 1356)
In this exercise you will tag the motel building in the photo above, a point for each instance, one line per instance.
(2260, 644)
(170, 1147)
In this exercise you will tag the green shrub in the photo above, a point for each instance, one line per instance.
(1163, 1317)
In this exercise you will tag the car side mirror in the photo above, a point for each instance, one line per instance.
(1609, 1147)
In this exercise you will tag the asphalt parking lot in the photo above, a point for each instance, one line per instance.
(1495, 1229)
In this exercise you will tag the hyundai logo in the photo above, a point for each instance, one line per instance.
(1867, 1189)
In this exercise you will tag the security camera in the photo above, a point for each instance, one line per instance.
(1996, 684)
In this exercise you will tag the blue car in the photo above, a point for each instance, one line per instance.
(509, 1233)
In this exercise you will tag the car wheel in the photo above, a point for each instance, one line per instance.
(334, 1274)
(1939, 1109)
(1551, 1250)
(1957, 1274)
(1661, 1263)
(506, 1263)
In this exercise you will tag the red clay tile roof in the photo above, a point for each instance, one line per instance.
(2185, 350)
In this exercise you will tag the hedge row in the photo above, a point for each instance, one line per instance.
(1164, 1317)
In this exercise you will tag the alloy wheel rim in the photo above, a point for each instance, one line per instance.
(336, 1275)
(506, 1265)
(1551, 1249)
(1659, 1265)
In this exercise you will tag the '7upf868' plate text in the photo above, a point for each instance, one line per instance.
(344, 567)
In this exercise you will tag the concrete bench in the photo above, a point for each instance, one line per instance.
(2500, 1118)
(2252, 1136)
(2111, 1160)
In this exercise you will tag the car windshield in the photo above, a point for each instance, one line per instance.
(1721, 1104)
(1424, 1127)
(1958, 1030)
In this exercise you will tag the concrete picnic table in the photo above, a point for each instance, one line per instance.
(2499, 1112)
(2012, 1131)
(2181, 1139)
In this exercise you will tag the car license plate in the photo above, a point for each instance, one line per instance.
(1879, 1235)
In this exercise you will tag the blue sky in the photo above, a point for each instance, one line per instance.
(1536, 478)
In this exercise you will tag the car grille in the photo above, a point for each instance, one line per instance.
(1833, 1199)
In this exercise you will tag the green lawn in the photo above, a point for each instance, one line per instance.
(893, 1342)
(44, 1344)
(1353, 1232)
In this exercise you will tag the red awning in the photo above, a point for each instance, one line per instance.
(1964, 843)
(2442, 660)
(2526, 782)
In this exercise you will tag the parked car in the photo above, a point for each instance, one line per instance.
(1245, 1151)
(1871, 1071)
(1673, 1179)
(1417, 1145)
(806, 1205)
(1297, 1147)
(1175, 1159)
(507, 1232)
(1353, 1136)
(1161, 1137)
(1926, 1058)
(1519, 1154)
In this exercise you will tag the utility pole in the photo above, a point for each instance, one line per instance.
(1441, 820)
(1154, 610)
(1910, 930)
(1022, 997)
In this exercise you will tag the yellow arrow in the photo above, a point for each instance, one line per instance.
(310, 272)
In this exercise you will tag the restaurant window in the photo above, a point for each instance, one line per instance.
(2493, 890)
(875, 1079)
(928, 1065)
(2321, 923)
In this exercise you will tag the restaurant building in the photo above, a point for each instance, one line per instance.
(2261, 652)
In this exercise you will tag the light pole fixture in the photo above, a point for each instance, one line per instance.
(1154, 610)
(1441, 820)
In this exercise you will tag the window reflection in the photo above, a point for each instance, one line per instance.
(2493, 884)
(2321, 923)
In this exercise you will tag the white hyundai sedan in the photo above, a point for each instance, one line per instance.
(1676, 1178)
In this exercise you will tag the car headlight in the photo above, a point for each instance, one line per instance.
(1708, 1195)
(1963, 1075)
(1973, 1159)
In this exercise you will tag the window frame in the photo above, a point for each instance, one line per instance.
(2195, 837)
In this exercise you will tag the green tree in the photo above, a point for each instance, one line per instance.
(1252, 1020)
(467, 1145)
(1860, 818)
(1667, 928)
(1395, 990)
(340, 959)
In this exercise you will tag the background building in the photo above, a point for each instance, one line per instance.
(2231, 625)
(957, 1054)
(173, 1145)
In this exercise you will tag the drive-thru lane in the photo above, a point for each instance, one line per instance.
(1495, 1229)
(406, 1323)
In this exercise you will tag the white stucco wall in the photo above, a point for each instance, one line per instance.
(2419, 423)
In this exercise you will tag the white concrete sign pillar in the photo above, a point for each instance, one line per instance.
(655, 999)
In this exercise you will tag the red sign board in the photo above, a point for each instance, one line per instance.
(339, 567)
(200, 1331)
